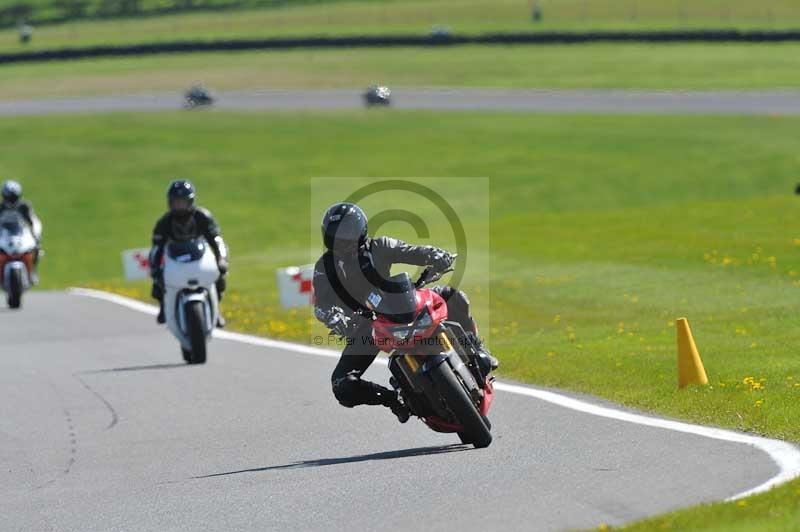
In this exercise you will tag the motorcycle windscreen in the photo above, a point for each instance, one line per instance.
(395, 299)
(186, 250)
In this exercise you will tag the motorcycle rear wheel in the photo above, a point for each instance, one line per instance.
(197, 335)
(460, 404)
(15, 289)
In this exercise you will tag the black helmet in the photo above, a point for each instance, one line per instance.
(344, 226)
(12, 191)
(180, 197)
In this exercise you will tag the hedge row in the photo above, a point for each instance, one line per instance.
(378, 41)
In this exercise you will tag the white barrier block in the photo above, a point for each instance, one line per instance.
(136, 263)
(295, 285)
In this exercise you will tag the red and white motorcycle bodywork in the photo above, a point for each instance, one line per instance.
(17, 251)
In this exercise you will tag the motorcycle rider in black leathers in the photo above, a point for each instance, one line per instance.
(185, 221)
(352, 264)
(13, 203)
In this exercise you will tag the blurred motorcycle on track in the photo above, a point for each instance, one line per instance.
(197, 96)
(17, 251)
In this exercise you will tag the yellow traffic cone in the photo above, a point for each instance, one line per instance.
(690, 367)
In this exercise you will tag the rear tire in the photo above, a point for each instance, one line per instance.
(195, 327)
(458, 401)
(15, 289)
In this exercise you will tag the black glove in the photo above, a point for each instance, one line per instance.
(222, 264)
(339, 322)
(441, 260)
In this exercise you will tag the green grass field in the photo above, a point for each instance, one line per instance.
(603, 231)
(419, 16)
(679, 66)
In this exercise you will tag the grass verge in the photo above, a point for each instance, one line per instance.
(677, 66)
(419, 16)
(603, 231)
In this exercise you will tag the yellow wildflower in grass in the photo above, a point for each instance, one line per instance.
(753, 383)
(741, 504)
(557, 318)
(758, 403)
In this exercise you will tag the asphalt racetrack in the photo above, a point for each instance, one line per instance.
(542, 101)
(102, 427)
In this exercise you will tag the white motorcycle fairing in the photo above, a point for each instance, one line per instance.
(190, 274)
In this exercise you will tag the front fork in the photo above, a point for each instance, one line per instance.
(414, 370)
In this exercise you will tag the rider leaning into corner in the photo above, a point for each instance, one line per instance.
(185, 221)
(13, 203)
(342, 282)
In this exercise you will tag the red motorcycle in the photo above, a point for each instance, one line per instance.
(433, 364)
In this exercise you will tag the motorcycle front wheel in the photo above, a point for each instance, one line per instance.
(195, 320)
(15, 289)
(460, 404)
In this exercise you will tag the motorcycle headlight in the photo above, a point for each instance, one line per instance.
(400, 334)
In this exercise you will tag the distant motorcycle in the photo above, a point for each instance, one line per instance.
(191, 303)
(197, 96)
(17, 250)
(433, 366)
(378, 95)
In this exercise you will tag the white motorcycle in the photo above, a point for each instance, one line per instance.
(17, 251)
(191, 303)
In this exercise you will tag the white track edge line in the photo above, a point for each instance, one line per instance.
(785, 455)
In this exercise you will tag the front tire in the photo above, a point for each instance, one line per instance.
(458, 401)
(15, 289)
(195, 320)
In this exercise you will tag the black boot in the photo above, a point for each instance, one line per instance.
(393, 401)
(161, 319)
(486, 361)
(400, 410)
